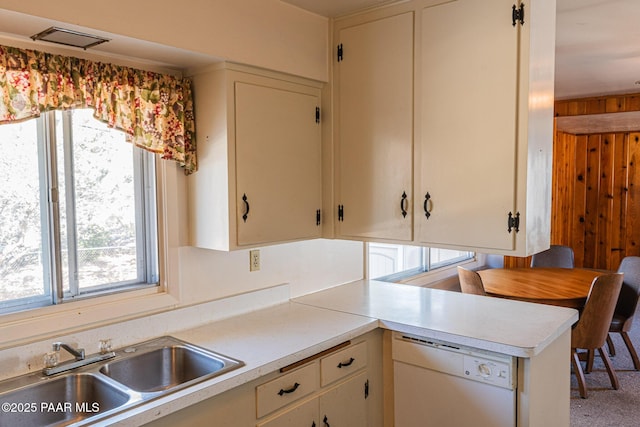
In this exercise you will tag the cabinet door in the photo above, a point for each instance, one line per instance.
(303, 415)
(345, 405)
(374, 83)
(278, 164)
(469, 83)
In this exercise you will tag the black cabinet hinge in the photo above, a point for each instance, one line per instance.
(366, 389)
(513, 222)
(317, 114)
(340, 52)
(340, 212)
(318, 217)
(517, 14)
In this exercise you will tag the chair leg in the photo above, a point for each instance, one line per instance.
(632, 350)
(607, 363)
(589, 366)
(612, 349)
(577, 369)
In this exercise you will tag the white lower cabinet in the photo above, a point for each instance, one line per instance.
(304, 414)
(334, 388)
(345, 404)
(286, 389)
(342, 405)
(339, 399)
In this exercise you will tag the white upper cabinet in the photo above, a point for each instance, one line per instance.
(373, 110)
(259, 159)
(471, 94)
(486, 125)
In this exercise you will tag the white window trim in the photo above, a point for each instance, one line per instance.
(435, 275)
(41, 323)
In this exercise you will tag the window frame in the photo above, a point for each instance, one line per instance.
(426, 268)
(26, 326)
(147, 239)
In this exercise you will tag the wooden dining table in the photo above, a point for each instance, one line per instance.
(567, 287)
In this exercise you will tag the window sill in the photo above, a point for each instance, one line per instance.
(443, 278)
(28, 326)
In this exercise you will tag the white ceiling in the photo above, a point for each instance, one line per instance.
(597, 43)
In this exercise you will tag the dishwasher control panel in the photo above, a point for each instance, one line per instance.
(487, 370)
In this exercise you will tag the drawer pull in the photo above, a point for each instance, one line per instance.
(291, 390)
(326, 421)
(345, 364)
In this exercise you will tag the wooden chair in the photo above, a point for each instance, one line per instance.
(591, 330)
(626, 306)
(470, 282)
(555, 256)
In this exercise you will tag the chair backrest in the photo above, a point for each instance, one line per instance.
(470, 282)
(555, 256)
(590, 332)
(630, 292)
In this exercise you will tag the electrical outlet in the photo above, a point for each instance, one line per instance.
(254, 260)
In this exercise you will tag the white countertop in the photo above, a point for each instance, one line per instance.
(515, 328)
(274, 337)
(265, 340)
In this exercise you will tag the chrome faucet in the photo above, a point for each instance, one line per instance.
(78, 354)
(51, 364)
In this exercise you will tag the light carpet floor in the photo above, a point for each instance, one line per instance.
(605, 407)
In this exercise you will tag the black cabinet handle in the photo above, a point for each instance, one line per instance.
(345, 364)
(326, 421)
(246, 207)
(291, 390)
(427, 205)
(403, 202)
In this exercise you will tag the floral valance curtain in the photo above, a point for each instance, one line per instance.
(154, 110)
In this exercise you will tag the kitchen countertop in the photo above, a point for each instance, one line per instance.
(274, 337)
(509, 327)
(265, 340)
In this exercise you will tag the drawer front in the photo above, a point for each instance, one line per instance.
(342, 363)
(304, 414)
(285, 389)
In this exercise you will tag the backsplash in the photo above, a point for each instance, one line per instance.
(28, 358)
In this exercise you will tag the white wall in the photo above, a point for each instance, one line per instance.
(265, 33)
(305, 266)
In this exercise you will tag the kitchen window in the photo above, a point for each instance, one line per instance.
(77, 211)
(390, 262)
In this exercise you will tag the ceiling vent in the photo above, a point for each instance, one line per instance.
(69, 38)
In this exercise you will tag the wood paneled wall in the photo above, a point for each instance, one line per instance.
(598, 105)
(595, 188)
(596, 199)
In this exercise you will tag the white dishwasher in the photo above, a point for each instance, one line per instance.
(437, 384)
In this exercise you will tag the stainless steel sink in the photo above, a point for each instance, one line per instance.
(136, 374)
(171, 365)
(60, 401)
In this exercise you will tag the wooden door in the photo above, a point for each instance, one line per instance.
(374, 138)
(468, 154)
(278, 163)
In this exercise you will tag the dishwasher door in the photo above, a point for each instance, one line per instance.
(443, 385)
